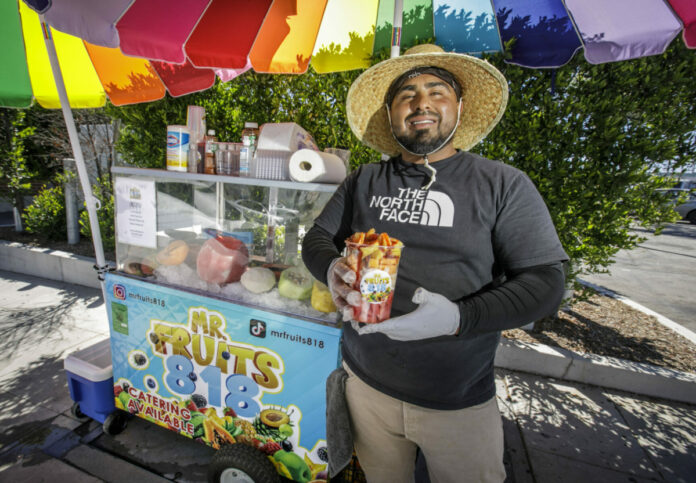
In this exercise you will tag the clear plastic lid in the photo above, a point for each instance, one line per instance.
(211, 132)
(252, 125)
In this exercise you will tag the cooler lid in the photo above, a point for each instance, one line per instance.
(92, 363)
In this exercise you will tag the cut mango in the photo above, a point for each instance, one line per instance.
(373, 249)
(352, 262)
(358, 237)
(367, 251)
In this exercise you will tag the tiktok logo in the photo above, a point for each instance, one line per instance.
(257, 328)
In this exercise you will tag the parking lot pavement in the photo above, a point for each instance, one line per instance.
(554, 430)
(659, 274)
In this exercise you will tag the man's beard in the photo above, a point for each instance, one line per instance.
(420, 142)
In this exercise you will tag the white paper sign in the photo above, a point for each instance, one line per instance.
(136, 213)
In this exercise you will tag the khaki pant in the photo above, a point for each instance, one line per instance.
(464, 445)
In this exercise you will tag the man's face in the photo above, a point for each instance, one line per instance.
(424, 113)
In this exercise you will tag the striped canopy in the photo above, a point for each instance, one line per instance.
(136, 50)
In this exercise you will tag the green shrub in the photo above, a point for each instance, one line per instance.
(45, 217)
(103, 191)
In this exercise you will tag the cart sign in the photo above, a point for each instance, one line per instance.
(222, 373)
(136, 215)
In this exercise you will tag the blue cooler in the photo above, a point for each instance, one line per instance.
(90, 380)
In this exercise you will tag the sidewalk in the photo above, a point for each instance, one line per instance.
(554, 430)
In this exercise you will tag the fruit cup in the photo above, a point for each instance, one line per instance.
(375, 261)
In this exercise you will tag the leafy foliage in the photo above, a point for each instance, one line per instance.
(15, 173)
(592, 137)
(45, 217)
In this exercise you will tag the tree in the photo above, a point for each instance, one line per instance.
(15, 174)
(592, 138)
(50, 144)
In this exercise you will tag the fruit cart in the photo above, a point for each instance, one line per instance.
(201, 347)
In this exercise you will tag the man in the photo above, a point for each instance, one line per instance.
(481, 255)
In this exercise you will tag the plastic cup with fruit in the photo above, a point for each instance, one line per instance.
(375, 259)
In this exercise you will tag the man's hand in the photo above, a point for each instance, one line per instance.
(340, 278)
(435, 316)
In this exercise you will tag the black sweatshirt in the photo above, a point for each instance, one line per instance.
(481, 236)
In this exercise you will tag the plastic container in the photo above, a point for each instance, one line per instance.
(195, 121)
(376, 267)
(211, 146)
(227, 159)
(90, 380)
(221, 160)
(270, 164)
(194, 160)
(178, 139)
(250, 136)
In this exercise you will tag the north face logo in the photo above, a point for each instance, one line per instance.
(416, 206)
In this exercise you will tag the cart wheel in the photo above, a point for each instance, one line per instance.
(77, 412)
(239, 463)
(115, 423)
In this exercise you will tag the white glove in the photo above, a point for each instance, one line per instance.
(340, 278)
(435, 316)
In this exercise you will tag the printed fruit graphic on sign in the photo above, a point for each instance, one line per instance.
(298, 469)
(273, 418)
(375, 259)
(222, 260)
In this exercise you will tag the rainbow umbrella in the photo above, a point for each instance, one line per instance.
(137, 50)
(76, 53)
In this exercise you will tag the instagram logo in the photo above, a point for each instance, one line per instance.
(120, 292)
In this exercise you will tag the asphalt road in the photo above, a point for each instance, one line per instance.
(659, 274)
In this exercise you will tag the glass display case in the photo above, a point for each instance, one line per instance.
(217, 330)
(221, 236)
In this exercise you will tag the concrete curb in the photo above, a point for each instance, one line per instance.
(597, 370)
(49, 264)
(514, 355)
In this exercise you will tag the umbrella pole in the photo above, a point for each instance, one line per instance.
(90, 200)
(396, 28)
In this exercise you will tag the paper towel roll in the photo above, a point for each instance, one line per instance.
(309, 166)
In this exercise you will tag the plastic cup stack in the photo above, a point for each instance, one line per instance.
(271, 164)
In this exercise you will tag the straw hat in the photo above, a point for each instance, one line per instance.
(484, 96)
